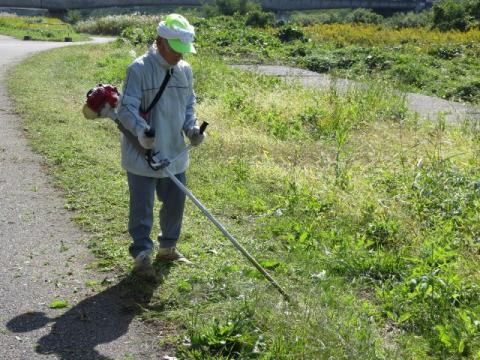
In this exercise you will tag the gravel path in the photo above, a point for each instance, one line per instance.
(44, 257)
(427, 107)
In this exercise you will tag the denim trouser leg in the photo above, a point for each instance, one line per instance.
(142, 196)
(171, 213)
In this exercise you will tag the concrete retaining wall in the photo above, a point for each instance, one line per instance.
(269, 4)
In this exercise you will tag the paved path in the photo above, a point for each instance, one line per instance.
(428, 107)
(43, 258)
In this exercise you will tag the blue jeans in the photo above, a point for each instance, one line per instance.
(142, 197)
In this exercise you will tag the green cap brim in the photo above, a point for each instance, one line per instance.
(181, 47)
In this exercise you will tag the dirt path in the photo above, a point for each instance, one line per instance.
(427, 107)
(44, 257)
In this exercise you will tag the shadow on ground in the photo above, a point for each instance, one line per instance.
(96, 320)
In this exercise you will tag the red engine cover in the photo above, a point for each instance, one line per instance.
(100, 95)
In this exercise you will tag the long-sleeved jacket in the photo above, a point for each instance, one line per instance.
(171, 117)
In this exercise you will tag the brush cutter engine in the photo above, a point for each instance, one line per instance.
(99, 97)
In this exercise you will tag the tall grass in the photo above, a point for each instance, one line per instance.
(436, 63)
(379, 253)
(371, 35)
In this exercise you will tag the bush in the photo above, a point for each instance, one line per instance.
(136, 35)
(467, 92)
(336, 16)
(230, 7)
(258, 18)
(289, 34)
(73, 16)
(364, 16)
(456, 15)
(409, 20)
(319, 64)
(410, 74)
(114, 25)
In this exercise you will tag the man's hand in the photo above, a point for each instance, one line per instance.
(147, 142)
(108, 112)
(195, 137)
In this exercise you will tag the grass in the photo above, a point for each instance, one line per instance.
(38, 28)
(444, 64)
(366, 216)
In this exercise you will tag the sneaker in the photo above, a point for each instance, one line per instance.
(171, 254)
(143, 264)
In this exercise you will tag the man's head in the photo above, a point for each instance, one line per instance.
(175, 38)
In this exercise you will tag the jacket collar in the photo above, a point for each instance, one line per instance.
(158, 59)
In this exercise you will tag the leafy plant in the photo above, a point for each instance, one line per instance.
(364, 16)
(289, 34)
(231, 7)
(456, 14)
(235, 337)
(258, 18)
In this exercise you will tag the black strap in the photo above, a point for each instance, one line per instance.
(159, 93)
(132, 138)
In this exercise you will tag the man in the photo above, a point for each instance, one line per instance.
(171, 117)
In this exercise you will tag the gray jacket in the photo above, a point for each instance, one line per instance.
(171, 117)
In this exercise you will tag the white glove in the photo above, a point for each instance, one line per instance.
(194, 135)
(108, 112)
(144, 140)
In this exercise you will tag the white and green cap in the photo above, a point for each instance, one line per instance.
(178, 32)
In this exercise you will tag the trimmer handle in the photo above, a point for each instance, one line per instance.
(203, 127)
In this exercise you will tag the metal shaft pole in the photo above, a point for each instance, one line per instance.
(226, 233)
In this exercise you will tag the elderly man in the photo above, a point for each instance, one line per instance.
(171, 114)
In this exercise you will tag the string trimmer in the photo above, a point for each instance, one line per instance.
(106, 95)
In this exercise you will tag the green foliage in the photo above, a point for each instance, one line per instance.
(456, 14)
(445, 68)
(226, 338)
(138, 35)
(364, 16)
(114, 25)
(73, 16)
(289, 34)
(258, 18)
(319, 17)
(231, 7)
(409, 20)
(467, 92)
(380, 253)
(37, 28)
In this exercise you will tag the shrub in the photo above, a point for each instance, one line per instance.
(456, 14)
(364, 16)
(449, 15)
(410, 20)
(114, 25)
(230, 7)
(258, 18)
(73, 16)
(135, 35)
(319, 64)
(320, 17)
(289, 34)
(467, 92)
(411, 74)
